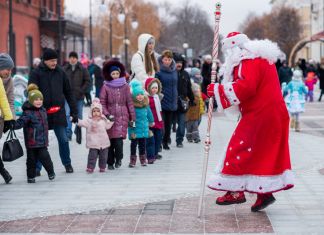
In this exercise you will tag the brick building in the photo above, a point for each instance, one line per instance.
(35, 26)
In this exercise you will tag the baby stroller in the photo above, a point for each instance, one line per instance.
(20, 84)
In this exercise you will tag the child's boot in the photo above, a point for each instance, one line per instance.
(292, 123)
(6, 176)
(132, 161)
(297, 126)
(143, 160)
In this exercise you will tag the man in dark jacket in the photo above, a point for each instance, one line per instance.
(79, 80)
(55, 86)
(285, 73)
(185, 93)
(321, 78)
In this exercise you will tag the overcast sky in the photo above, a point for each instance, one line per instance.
(233, 11)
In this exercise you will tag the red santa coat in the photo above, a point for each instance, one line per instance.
(257, 157)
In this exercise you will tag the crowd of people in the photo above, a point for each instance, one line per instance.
(159, 94)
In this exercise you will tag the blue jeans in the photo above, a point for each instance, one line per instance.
(181, 127)
(63, 142)
(153, 143)
(80, 104)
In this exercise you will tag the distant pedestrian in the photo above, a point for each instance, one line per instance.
(310, 82)
(196, 63)
(97, 74)
(139, 131)
(195, 76)
(206, 73)
(96, 136)
(34, 122)
(321, 78)
(193, 116)
(54, 84)
(295, 99)
(79, 80)
(116, 100)
(144, 63)
(153, 88)
(7, 118)
(285, 73)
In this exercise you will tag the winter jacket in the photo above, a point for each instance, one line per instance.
(295, 99)
(194, 113)
(321, 77)
(34, 122)
(310, 82)
(168, 77)
(285, 74)
(157, 124)
(55, 87)
(144, 117)
(138, 59)
(97, 76)
(79, 79)
(8, 86)
(96, 136)
(184, 86)
(118, 102)
(206, 74)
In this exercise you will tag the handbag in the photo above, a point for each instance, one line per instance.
(183, 105)
(12, 149)
(78, 134)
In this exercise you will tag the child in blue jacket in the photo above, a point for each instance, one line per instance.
(139, 131)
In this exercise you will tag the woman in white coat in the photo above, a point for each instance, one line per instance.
(144, 63)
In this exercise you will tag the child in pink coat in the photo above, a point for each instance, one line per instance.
(97, 139)
(310, 81)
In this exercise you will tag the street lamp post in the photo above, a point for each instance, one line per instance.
(59, 40)
(90, 28)
(12, 43)
(185, 47)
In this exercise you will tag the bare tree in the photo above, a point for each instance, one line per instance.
(190, 25)
(282, 26)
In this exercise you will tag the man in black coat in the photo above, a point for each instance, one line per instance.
(321, 78)
(52, 81)
(185, 93)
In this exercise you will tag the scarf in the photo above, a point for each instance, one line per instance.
(157, 105)
(116, 82)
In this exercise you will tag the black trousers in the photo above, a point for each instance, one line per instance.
(141, 146)
(167, 118)
(115, 153)
(88, 98)
(1, 164)
(38, 154)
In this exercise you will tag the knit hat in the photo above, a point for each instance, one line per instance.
(234, 39)
(49, 54)
(194, 71)
(297, 74)
(178, 57)
(150, 82)
(114, 68)
(95, 104)
(73, 54)
(6, 61)
(33, 93)
(113, 63)
(136, 88)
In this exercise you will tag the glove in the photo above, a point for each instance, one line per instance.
(210, 90)
(74, 118)
(111, 118)
(131, 124)
(9, 125)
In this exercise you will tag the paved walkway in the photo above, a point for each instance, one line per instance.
(162, 198)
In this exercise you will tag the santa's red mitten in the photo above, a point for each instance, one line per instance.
(210, 90)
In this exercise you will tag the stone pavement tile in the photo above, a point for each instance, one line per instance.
(86, 224)
(54, 224)
(20, 226)
(127, 211)
(153, 224)
(221, 223)
(120, 224)
(254, 223)
(182, 223)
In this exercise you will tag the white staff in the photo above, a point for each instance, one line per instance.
(210, 108)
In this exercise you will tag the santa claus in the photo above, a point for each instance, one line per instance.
(257, 157)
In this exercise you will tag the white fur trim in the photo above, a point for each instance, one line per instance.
(251, 183)
(217, 97)
(230, 94)
(250, 50)
(236, 40)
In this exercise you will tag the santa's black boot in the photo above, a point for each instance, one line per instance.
(263, 201)
(6, 176)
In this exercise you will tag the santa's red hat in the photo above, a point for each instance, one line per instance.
(234, 39)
